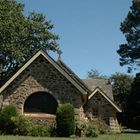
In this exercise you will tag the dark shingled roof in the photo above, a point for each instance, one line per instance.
(89, 84)
(103, 84)
(73, 75)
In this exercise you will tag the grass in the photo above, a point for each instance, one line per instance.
(100, 137)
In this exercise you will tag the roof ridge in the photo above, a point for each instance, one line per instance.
(76, 83)
(70, 72)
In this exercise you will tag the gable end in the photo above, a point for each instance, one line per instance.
(98, 90)
(49, 59)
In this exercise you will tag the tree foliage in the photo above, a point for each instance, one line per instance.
(21, 36)
(121, 86)
(95, 74)
(132, 114)
(130, 27)
(134, 98)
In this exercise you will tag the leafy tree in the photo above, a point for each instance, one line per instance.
(130, 27)
(21, 36)
(95, 74)
(121, 86)
(133, 111)
(134, 98)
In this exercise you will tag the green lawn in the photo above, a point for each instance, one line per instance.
(100, 137)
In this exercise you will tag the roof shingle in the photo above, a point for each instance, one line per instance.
(102, 84)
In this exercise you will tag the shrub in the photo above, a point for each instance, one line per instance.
(42, 131)
(6, 125)
(11, 123)
(86, 129)
(102, 126)
(92, 131)
(81, 128)
(65, 120)
(8, 111)
(22, 124)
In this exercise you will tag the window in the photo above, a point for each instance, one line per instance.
(95, 112)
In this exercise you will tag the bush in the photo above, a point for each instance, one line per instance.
(81, 128)
(8, 111)
(86, 129)
(65, 120)
(102, 126)
(22, 124)
(92, 131)
(11, 123)
(6, 125)
(44, 131)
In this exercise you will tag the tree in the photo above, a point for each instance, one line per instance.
(134, 98)
(130, 27)
(21, 36)
(121, 86)
(95, 74)
(133, 110)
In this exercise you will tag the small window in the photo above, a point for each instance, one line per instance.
(95, 112)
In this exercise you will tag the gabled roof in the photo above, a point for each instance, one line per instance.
(73, 75)
(103, 84)
(98, 90)
(58, 66)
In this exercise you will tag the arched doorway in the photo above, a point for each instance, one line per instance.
(40, 102)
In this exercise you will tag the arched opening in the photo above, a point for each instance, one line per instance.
(41, 102)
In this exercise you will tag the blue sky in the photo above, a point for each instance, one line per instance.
(88, 30)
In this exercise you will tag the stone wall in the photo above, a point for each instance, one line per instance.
(99, 107)
(40, 119)
(113, 122)
(41, 76)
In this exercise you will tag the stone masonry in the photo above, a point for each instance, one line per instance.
(98, 107)
(41, 76)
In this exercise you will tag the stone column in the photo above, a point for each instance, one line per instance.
(79, 113)
(114, 126)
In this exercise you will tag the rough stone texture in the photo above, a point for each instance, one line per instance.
(44, 121)
(40, 119)
(41, 76)
(99, 107)
(113, 122)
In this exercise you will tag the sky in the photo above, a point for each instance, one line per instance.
(89, 31)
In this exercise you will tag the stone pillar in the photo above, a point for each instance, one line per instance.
(79, 113)
(114, 126)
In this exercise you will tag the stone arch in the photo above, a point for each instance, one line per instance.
(40, 102)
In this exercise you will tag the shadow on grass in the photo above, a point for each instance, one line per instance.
(131, 131)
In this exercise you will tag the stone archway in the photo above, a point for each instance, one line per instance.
(40, 103)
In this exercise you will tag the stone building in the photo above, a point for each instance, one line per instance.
(42, 84)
